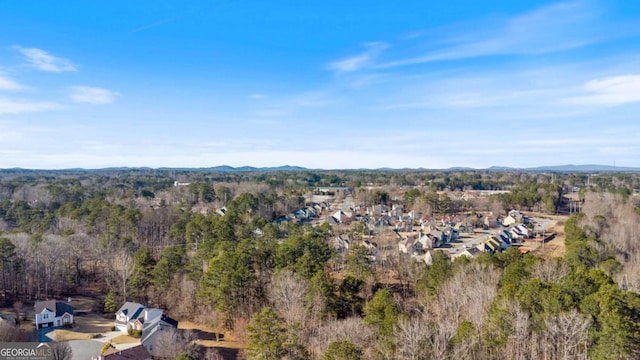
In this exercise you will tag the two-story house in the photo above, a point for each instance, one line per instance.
(53, 313)
(127, 315)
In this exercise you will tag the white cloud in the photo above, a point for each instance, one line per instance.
(359, 61)
(9, 106)
(257, 96)
(547, 29)
(614, 90)
(43, 61)
(8, 84)
(92, 95)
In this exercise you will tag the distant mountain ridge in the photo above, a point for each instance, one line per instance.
(569, 168)
(228, 168)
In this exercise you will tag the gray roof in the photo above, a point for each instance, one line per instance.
(63, 307)
(131, 310)
(156, 324)
(134, 353)
(48, 304)
(59, 307)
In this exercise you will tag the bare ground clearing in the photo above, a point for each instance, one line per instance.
(228, 347)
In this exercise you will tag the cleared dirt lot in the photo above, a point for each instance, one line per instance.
(229, 348)
(553, 248)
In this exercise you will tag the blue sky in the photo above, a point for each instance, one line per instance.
(320, 84)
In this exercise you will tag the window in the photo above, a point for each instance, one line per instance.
(45, 316)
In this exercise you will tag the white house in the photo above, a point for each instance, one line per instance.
(127, 315)
(508, 221)
(341, 244)
(524, 230)
(405, 246)
(155, 323)
(470, 253)
(53, 313)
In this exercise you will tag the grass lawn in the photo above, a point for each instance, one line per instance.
(124, 339)
(62, 335)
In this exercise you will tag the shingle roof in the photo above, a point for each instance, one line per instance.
(134, 353)
(59, 307)
(63, 307)
(48, 304)
(131, 310)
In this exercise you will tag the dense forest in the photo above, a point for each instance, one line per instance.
(217, 248)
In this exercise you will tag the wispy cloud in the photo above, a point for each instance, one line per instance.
(10, 106)
(9, 84)
(43, 61)
(359, 61)
(614, 90)
(547, 29)
(92, 95)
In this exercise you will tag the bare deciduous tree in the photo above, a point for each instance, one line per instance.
(466, 296)
(552, 270)
(411, 338)
(122, 263)
(287, 292)
(171, 342)
(617, 223)
(351, 329)
(566, 336)
(61, 350)
(10, 333)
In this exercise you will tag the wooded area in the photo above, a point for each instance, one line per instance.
(280, 286)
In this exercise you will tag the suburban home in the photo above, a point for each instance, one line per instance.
(492, 245)
(470, 253)
(52, 313)
(383, 222)
(465, 225)
(508, 221)
(491, 221)
(425, 241)
(515, 233)
(397, 210)
(524, 231)
(405, 246)
(341, 243)
(435, 240)
(341, 217)
(127, 315)
(428, 257)
(156, 323)
(134, 353)
(450, 234)
(373, 252)
(331, 220)
(404, 226)
(518, 216)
